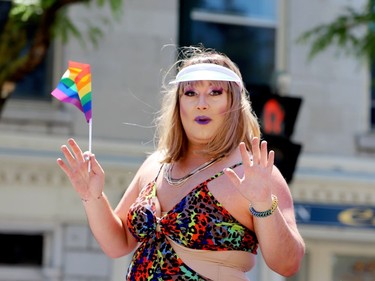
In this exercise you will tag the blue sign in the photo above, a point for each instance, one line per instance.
(335, 215)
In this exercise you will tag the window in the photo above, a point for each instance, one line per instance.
(4, 9)
(30, 251)
(21, 249)
(30, 107)
(373, 109)
(245, 30)
(372, 105)
(353, 268)
(36, 85)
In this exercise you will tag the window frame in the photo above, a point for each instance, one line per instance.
(52, 249)
(278, 24)
(39, 114)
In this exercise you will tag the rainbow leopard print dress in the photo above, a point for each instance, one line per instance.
(198, 221)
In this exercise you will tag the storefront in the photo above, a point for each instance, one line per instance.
(335, 212)
(340, 241)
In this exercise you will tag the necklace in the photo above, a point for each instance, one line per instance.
(177, 182)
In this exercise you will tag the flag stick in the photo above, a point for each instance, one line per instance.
(90, 143)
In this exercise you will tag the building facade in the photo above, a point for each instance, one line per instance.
(335, 174)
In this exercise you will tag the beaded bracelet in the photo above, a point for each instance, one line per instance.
(265, 213)
(87, 200)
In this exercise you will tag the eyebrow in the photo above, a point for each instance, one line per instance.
(222, 84)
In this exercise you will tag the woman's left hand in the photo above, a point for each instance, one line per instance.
(255, 185)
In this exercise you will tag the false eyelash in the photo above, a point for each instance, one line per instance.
(219, 90)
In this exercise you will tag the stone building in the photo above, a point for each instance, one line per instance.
(335, 175)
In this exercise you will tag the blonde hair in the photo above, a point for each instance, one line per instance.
(240, 124)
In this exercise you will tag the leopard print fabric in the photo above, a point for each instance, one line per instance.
(198, 221)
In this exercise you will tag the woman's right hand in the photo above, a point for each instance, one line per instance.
(88, 184)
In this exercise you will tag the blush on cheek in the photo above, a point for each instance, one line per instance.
(184, 116)
(222, 110)
(182, 111)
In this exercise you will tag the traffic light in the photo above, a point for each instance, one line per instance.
(277, 116)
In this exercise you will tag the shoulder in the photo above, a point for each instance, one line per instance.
(150, 168)
(153, 159)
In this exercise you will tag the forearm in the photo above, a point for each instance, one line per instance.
(281, 245)
(107, 227)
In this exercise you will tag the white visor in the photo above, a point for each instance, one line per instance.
(206, 71)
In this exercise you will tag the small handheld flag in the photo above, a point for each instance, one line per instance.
(75, 88)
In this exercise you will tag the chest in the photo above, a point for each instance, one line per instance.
(219, 191)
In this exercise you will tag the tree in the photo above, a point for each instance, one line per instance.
(28, 30)
(353, 32)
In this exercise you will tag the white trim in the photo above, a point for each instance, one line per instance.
(231, 19)
(338, 234)
(281, 36)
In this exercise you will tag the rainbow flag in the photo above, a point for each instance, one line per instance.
(75, 88)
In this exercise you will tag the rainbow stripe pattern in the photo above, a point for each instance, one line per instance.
(75, 88)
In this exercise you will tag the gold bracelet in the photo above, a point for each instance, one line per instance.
(267, 213)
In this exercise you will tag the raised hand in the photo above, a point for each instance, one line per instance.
(256, 183)
(88, 184)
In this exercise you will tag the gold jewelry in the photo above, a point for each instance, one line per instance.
(177, 182)
(267, 213)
